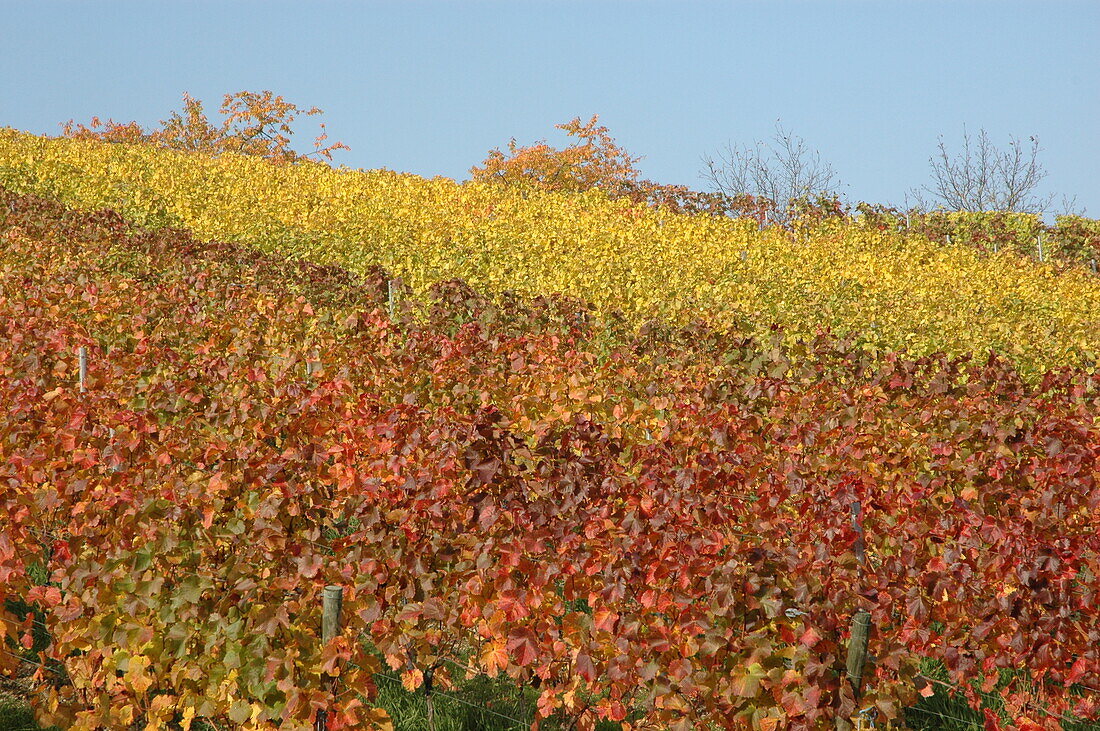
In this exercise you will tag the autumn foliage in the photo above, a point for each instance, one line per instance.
(663, 526)
(890, 289)
(253, 123)
(595, 161)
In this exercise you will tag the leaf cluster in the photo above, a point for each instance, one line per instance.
(254, 123)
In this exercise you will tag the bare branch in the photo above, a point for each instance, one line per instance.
(782, 170)
(984, 178)
(1069, 207)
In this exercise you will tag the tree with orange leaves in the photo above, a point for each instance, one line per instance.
(596, 161)
(254, 123)
(593, 161)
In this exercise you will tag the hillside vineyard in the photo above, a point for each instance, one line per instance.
(889, 290)
(551, 438)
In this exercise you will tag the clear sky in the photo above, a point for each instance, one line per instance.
(429, 87)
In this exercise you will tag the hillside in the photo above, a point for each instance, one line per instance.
(667, 525)
(888, 289)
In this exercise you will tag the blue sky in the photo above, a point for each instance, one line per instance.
(429, 87)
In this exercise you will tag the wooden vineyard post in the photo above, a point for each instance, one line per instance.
(389, 296)
(861, 629)
(1092, 263)
(857, 658)
(82, 358)
(857, 647)
(331, 604)
(313, 363)
(1039, 245)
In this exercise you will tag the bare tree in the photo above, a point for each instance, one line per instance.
(782, 170)
(1069, 207)
(983, 177)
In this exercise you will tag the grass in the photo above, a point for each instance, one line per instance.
(16, 716)
(478, 704)
(944, 712)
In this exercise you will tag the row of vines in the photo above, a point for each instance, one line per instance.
(1072, 238)
(652, 525)
(892, 288)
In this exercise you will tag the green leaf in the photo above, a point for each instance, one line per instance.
(240, 711)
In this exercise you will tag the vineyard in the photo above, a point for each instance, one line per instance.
(864, 278)
(648, 464)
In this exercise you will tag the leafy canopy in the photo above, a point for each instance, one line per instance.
(253, 123)
(595, 161)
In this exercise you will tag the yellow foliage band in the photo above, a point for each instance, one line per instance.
(895, 291)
